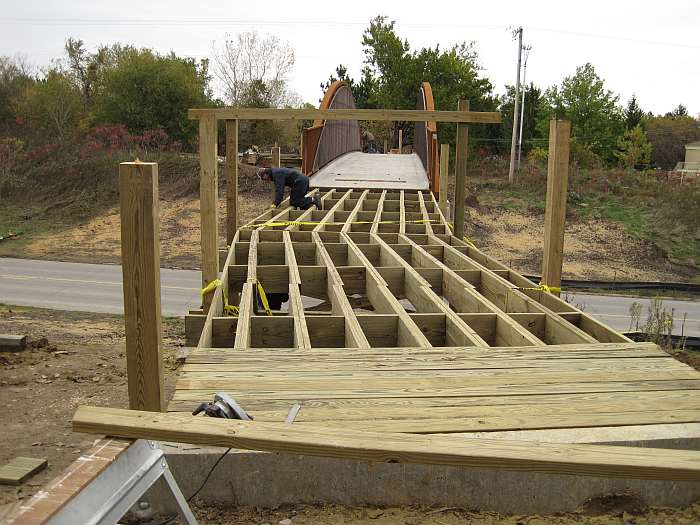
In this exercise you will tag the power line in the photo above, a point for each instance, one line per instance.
(322, 23)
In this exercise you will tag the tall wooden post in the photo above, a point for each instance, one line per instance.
(208, 202)
(461, 170)
(400, 140)
(444, 176)
(555, 210)
(231, 179)
(138, 200)
(385, 147)
(276, 157)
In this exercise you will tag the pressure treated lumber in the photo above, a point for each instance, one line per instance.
(19, 469)
(276, 161)
(140, 242)
(555, 205)
(63, 488)
(208, 195)
(444, 176)
(591, 460)
(461, 171)
(395, 115)
(231, 168)
(12, 343)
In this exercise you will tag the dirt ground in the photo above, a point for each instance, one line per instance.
(594, 249)
(622, 510)
(78, 358)
(98, 240)
(75, 358)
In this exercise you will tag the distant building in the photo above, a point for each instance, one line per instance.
(692, 159)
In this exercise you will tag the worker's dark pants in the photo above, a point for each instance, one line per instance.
(297, 194)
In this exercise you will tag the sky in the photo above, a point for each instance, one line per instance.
(650, 49)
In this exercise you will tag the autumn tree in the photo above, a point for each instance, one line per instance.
(53, 106)
(15, 79)
(668, 136)
(251, 59)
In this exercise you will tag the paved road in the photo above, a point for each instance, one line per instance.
(88, 287)
(97, 288)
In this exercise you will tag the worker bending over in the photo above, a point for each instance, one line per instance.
(297, 182)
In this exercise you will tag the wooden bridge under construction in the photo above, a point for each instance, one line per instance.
(392, 320)
(372, 331)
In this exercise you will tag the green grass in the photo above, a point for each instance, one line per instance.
(25, 221)
(648, 208)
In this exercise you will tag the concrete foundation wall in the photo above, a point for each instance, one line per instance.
(267, 480)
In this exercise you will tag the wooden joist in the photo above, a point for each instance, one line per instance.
(591, 460)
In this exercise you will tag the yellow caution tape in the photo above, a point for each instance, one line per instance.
(543, 288)
(263, 298)
(213, 285)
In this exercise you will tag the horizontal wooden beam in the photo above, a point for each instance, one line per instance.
(410, 115)
(573, 459)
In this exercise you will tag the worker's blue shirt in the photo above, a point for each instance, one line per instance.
(282, 177)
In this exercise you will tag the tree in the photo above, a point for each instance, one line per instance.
(11, 152)
(633, 114)
(361, 91)
(393, 74)
(250, 58)
(145, 91)
(668, 137)
(87, 69)
(53, 106)
(341, 73)
(679, 111)
(15, 79)
(633, 148)
(596, 120)
(535, 111)
(256, 94)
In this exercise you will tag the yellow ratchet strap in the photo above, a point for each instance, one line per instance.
(263, 298)
(213, 285)
(464, 237)
(543, 288)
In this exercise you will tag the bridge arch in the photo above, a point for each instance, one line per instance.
(325, 140)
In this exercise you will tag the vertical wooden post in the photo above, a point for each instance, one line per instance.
(138, 201)
(276, 157)
(461, 170)
(435, 163)
(231, 179)
(444, 176)
(385, 147)
(400, 140)
(208, 202)
(555, 207)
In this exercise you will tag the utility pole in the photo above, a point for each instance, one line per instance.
(511, 168)
(522, 105)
